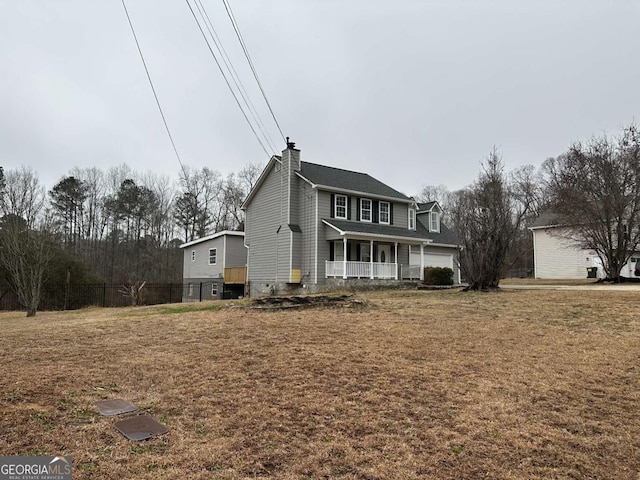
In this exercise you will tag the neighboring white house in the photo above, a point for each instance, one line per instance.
(555, 256)
(207, 260)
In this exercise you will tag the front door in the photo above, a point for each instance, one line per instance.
(384, 254)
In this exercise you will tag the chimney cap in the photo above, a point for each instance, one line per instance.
(290, 145)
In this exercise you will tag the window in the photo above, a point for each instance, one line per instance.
(214, 289)
(384, 213)
(191, 290)
(412, 218)
(365, 252)
(193, 255)
(365, 210)
(435, 222)
(340, 208)
(213, 256)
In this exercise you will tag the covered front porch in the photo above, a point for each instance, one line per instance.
(373, 259)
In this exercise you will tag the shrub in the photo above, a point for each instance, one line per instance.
(438, 276)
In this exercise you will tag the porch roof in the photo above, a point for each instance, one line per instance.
(376, 230)
(445, 237)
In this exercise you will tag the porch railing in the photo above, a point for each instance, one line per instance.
(410, 272)
(361, 269)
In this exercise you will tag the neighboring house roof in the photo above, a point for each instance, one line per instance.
(332, 178)
(211, 237)
(444, 237)
(545, 220)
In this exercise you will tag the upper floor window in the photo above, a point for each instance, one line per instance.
(412, 218)
(434, 224)
(340, 207)
(213, 256)
(365, 210)
(384, 213)
(193, 255)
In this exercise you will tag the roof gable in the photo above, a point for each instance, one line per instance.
(231, 233)
(347, 180)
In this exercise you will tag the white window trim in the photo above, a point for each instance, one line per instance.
(216, 255)
(370, 210)
(412, 218)
(335, 207)
(388, 213)
(214, 289)
(193, 255)
(437, 215)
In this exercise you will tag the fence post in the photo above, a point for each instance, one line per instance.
(104, 295)
(170, 289)
(200, 291)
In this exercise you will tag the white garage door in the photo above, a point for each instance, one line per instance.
(438, 260)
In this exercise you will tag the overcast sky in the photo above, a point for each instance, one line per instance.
(413, 92)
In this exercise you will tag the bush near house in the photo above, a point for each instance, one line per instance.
(438, 276)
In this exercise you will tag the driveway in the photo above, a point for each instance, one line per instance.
(618, 287)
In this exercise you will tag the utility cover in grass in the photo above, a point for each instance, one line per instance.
(141, 427)
(115, 406)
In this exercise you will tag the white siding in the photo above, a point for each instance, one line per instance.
(557, 257)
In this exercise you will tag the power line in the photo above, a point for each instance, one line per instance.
(227, 7)
(234, 74)
(155, 95)
(225, 78)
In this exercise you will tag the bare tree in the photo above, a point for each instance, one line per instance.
(436, 193)
(23, 195)
(486, 218)
(25, 241)
(595, 191)
(249, 176)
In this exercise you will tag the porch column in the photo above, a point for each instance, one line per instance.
(421, 262)
(395, 259)
(344, 259)
(371, 257)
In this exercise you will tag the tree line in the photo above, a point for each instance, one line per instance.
(114, 225)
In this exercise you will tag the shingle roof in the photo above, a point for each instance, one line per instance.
(546, 219)
(347, 180)
(445, 237)
(423, 207)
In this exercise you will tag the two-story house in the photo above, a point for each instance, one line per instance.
(214, 267)
(310, 225)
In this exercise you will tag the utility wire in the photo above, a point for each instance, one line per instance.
(227, 7)
(225, 79)
(234, 74)
(155, 95)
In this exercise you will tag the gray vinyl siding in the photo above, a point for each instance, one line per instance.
(200, 268)
(324, 233)
(400, 215)
(235, 252)
(262, 222)
(403, 254)
(304, 243)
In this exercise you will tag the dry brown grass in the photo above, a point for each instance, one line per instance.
(431, 384)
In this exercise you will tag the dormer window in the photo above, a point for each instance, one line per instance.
(365, 210)
(340, 207)
(412, 218)
(434, 223)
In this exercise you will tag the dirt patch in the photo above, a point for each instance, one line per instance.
(306, 301)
